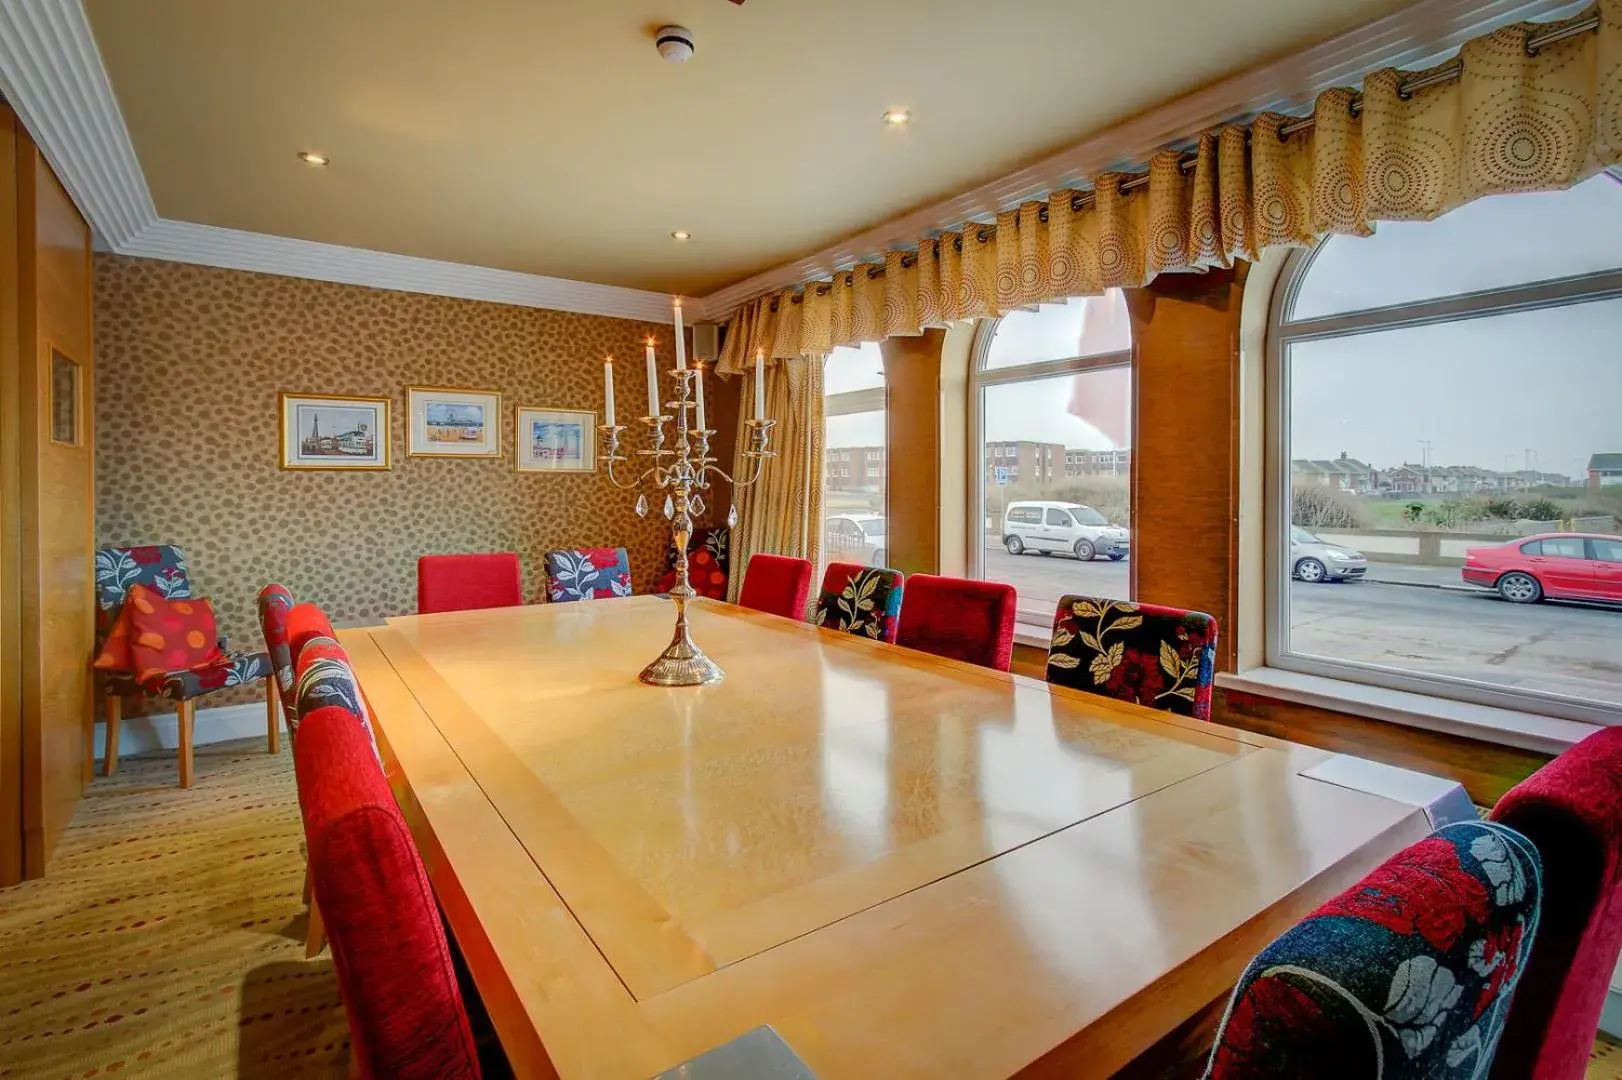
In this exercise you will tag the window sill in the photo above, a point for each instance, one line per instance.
(1507, 727)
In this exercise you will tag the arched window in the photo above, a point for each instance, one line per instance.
(853, 446)
(1440, 391)
(1051, 420)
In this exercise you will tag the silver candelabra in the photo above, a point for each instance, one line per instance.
(683, 474)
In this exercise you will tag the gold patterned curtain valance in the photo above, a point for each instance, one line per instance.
(1512, 120)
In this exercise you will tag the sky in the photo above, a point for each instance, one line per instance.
(1539, 389)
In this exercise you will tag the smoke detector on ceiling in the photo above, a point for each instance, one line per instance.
(675, 43)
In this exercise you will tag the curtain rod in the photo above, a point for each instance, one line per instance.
(1535, 42)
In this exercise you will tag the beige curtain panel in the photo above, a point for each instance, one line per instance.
(1512, 121)
(782, 512)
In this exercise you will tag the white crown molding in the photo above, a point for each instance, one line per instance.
(51, 73)
(208, 245)
(1416, 35)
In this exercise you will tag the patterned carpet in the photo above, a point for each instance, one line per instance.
(166, 939)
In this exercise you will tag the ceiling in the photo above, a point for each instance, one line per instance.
(548, 137)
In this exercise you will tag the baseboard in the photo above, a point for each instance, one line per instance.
(161, 731)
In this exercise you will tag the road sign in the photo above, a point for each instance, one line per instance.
(1002, 475)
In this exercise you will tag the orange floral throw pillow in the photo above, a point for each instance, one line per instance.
(170, 635)
(115, 650)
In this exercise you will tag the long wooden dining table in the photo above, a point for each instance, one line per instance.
(902, 865)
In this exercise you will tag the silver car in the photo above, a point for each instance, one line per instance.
(1314, 560)
(855, 537)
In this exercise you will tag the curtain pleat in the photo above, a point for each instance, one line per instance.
(781, 512)
(1511, 122)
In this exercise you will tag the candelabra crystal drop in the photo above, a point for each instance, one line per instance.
(670, 507)
(695, 505)
(641, 506)
(732, 517)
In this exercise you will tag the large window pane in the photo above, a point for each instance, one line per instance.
(1420, 458)
(854, 454)
(1087, 326)
(1055, 487)
(1492, 243)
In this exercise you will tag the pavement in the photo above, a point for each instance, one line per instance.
(1420, 619)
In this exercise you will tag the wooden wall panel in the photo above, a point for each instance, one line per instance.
(912, 376)
(1185, 333)
(11, 731)
(58, 504)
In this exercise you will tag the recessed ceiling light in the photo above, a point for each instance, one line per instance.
(896, 117)
(311, 158)
(681, 234)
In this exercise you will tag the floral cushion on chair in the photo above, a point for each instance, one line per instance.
(587, 574)
(709, 557)
(275, 601)
(1161, 657)
(1407, 974)
(867, 604)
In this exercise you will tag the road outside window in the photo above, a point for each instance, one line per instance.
(1450, 522)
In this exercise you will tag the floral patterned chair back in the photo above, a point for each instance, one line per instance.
(160, 567)
(275, 601)
(1408, 974)
(709, 563)
(1164, 658)
(587, 574)
(860, 600)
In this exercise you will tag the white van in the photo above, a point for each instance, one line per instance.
(1047, 527)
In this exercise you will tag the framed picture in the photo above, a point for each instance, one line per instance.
(334, 432)
(556, 440)
(447, 422)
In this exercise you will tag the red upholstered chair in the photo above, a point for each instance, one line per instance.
(467, 582)
(972, 621)
(406, 1015)
(1572, 810)
(777, 585)
(304, 622)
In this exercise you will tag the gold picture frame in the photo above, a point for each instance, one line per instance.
(453, 422)
(554, 440)
(344, 445)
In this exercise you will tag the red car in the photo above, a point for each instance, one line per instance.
(1561, 566)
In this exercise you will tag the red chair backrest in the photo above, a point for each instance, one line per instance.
(467, 582)
(406, 1017)
(777, 585)
(304, 622)
(1571, 809)
(972, 621)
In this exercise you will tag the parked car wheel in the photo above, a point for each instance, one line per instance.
(1084, 550)
(1015, 545)
(1520, 588)
(1116, 556)
(1311, 571)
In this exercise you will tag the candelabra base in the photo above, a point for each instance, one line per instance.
(682, 664)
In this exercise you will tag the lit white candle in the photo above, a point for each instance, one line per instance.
(698, 380)
(653, 382)
(681, 343)
(608, 391)
(760, 384)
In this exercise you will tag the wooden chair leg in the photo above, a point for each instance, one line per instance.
(316, 939)
(112, 710)
(186, 712)
(273, 713)
(309, 888)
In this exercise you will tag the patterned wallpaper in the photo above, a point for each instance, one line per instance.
(190, 360)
